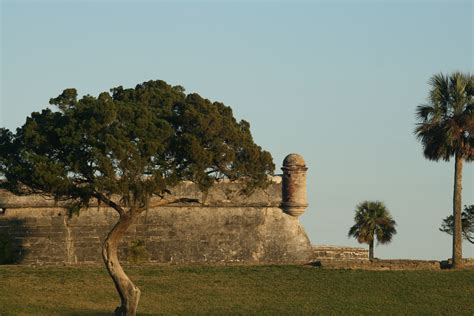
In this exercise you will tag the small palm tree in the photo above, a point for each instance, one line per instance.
(446, 129)
(372, 219)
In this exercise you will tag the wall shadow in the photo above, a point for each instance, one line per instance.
(12, 234)
(316, 264)
(445, 264)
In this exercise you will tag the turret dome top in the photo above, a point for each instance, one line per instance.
(294, 160)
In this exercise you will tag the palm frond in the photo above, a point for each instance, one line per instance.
(439, 94)
(425, 112)
(446, 124)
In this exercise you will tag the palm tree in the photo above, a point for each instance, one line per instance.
(446, 129)
(372, 219)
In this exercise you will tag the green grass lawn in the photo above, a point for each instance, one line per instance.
(237, 290)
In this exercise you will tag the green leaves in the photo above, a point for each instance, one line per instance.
(132, 143)
(65, 100)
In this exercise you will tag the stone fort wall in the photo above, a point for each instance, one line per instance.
(224, 227)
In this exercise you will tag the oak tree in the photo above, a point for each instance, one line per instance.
(124, 147)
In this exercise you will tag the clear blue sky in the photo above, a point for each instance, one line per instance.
(337, 82)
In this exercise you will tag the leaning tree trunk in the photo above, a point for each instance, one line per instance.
(457, 233)
(371, 250)
(129, 293)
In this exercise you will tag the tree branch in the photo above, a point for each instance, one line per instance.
(109, 202)
(466, 235)
(164, 202)
(469, 239)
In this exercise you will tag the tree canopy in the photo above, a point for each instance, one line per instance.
(445, 123)
(132, 143)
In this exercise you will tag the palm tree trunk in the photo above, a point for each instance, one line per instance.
(129, 293)
(457, 233)
(371, 250)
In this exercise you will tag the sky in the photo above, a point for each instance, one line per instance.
(335, 81)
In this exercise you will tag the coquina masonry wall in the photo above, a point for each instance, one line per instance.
(224, 227)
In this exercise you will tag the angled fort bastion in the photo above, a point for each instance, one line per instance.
(223, 227)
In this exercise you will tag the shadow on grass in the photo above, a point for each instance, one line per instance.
(84, 312)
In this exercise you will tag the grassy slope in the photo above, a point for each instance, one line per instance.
(238, 290)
